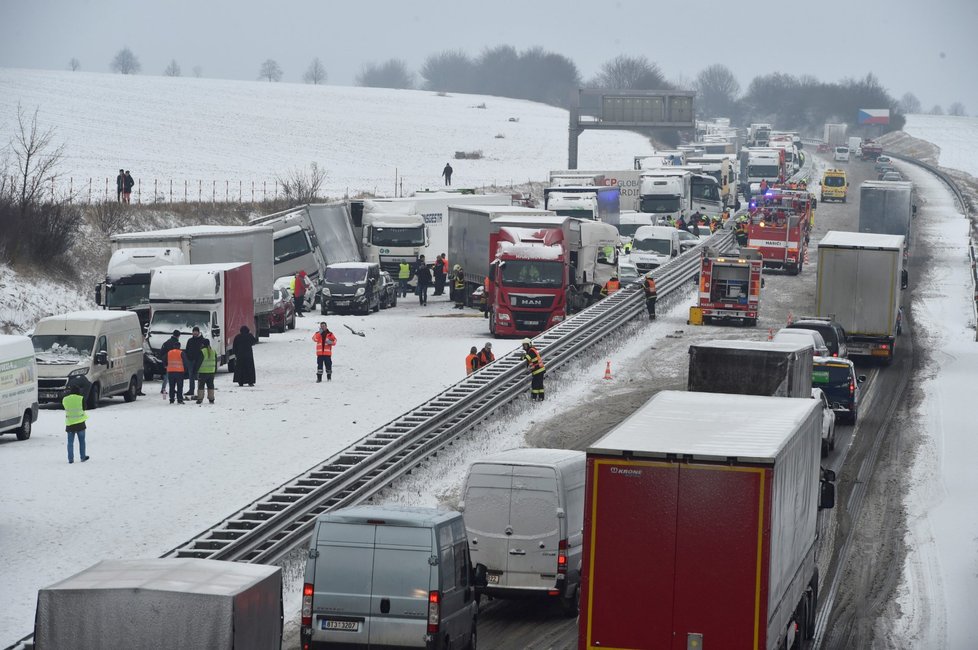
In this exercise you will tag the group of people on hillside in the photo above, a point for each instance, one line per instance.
(124, 183)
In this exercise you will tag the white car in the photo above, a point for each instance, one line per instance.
(828, 422)
(841, 154)
(688, 240)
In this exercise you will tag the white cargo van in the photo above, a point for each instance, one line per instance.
(18, 386)
(100, 350)
(654, 246)
(841, 154)
(524, 515)
(390, 577)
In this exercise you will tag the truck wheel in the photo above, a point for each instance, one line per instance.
(812, 607)
(852, 417)
(376, 307)
(94, 395)
(132, 391)
(570, 607)
(24, 432)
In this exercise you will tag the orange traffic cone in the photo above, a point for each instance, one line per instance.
(607, 371)
(770, 333)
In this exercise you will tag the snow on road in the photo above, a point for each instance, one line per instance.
(940, 586)
(956, 136)
(211, 129)
(161, 473)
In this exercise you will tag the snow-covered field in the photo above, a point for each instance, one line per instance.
(956, 136)
(210, 129)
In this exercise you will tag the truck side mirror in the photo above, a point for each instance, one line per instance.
(102, 358)
(675, 253)
(216, 331)
(479, 576)
(860, 379)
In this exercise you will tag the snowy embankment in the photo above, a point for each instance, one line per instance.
(24, 300)
(957, 138)
(190, 129)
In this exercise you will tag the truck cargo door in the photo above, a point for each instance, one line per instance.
(629, 573)
(534, 528)
(721, 566)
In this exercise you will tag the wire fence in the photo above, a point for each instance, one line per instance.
(155, 191)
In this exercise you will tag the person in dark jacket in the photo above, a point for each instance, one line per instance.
(423, 273)
(120, 185)
(244, 357)
(169, 344)
(485, 355)
(447, 173)
(194, 357)
(299, 292)
(439, 272)
(128, 185)
(458, 286)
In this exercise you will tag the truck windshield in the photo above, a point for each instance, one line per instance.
(628, 229)
(407, 236)
(706, 190)
(533, 273)
(660, 246)
(343, 275)
(62, 348)
(763, 171)
(126, 296)
(291, 246)
(834, 181)
(165, 321)
(660, 204)
(580, 214)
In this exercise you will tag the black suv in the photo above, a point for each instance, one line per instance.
(832, 332)
(838, 380)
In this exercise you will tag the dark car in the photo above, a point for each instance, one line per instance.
(388, 291)
(351, 287)
(831, 331)
(838, 380)
(283, 311)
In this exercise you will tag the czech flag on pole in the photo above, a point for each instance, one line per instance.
(874, 116)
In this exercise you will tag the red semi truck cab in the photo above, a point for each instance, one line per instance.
(528, 280)
(730, 285)
(700, 525)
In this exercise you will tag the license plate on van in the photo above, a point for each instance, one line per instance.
(341, 303)
(492, 578)
(339, 626)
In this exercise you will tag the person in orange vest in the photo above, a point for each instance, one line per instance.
(763, 185)
(650, 296)
(485, 355)
(176, 370)
(472, 361)
(485, 298)
(537, 370)
(611, 286)
(325, 340)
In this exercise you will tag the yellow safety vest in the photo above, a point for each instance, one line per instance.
(74, 407)
(404, 271)
(208, 366)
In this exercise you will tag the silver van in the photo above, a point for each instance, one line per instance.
(524, 515)
(384, 577)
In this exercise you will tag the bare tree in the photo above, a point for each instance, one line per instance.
(449, 70)
(957, 109)
(301, 186)
(717, 89)
(316, 74)
(172, 70)
(198, 71)
(125, 62)
(74, 65)
(936, 110)
(270, 70)
(37, 157)
(630, 73)
(393, 73)
(909, 104)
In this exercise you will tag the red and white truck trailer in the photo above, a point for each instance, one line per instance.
(701, 525)
(730, 286)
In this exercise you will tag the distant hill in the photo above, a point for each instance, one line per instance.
(188, 129)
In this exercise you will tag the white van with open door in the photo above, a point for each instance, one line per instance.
(524, 518)
(18, 386)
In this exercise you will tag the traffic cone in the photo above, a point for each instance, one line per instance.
(770, 333)
(607, 371)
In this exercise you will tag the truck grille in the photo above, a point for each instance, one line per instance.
(530, 321)
(646, 267)
(540, 301)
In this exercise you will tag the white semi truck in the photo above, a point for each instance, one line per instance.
(674, 192)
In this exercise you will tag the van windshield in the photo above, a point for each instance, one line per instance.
(407, 236)
(345, 275)
(834, 181)
(62, 348)
(165, 322)
(660, 246)
(628, 229)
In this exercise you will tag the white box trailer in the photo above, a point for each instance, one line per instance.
(162, 603)
(859, 285)
(626, 180)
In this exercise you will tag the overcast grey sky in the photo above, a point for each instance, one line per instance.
(928, 47)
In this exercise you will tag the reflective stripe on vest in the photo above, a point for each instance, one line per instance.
(174, 361)
(324, 344)
(74, 409)
(208, 366)
(532, 357)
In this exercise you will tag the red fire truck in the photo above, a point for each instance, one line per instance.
(779, 227)
(730, 286)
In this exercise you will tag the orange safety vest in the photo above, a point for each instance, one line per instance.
(174, 360)
(444, 264)
(486, 357)
(610, 287)
(649, 287)
(324, 344)
(471, 363)
(534, 360)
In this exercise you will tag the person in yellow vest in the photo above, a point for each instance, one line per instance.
(650, 296)
(206, 372)
(458, 286)
(472, 361)
(403, 275)
(176, 370)
(611, 286)
(75, 418)
(534, 362)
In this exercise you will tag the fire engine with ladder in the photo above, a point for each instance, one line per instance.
(779, 225)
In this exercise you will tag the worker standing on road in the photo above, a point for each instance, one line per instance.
(472, 361)
(423, 273)
(611, 286)
(206, 372)
(458, 286)
(403, 275)
(438, 270)
(650, 296)
(75, 418)
(192, 349)
(325, 340)
(447, 173)
(537, 370)
(176, 369)
(485, 355)
(299, 293)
